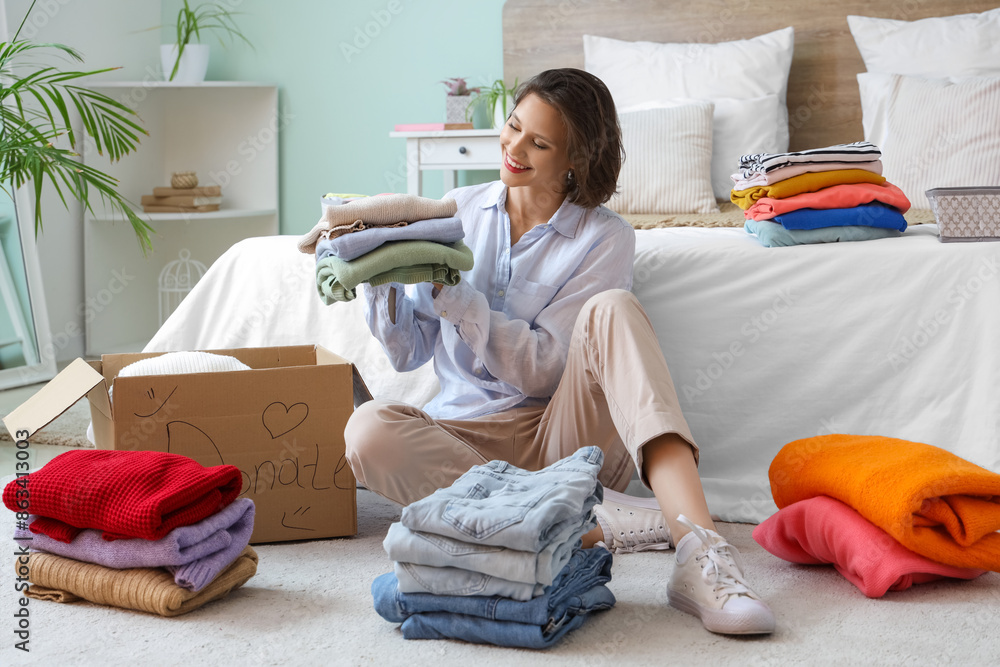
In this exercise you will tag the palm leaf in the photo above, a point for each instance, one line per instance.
(36, 108)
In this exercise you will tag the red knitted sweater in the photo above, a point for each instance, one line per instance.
(125, 494)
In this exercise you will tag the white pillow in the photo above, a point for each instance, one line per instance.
(638, 72)
(946, 46)
(668, 156)
(738, 127)
(933, 132)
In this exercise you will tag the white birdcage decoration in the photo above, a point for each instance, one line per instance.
(177, 279)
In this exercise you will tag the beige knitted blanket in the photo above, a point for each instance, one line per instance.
(379, 211)
(731, 215)
(149, 589)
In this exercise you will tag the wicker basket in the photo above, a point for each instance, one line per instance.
(966, 214)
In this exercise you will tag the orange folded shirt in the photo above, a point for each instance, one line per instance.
(835, 196)
(808, 182)
(934, 503)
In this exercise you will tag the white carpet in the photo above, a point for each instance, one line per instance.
(310, 604)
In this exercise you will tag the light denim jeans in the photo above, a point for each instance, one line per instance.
(500, 504)
(456, 582)
(578, 590)
(419, 548)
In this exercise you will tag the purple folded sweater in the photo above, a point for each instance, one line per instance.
(194, 554)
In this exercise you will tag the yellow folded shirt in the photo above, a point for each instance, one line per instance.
(807, 182)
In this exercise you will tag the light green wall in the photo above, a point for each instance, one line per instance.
(341, 91)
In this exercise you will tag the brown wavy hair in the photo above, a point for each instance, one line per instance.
(594, 138)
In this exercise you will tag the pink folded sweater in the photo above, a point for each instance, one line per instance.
(825, 530)
(846, 195)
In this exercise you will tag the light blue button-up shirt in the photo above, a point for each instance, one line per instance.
(501, 336)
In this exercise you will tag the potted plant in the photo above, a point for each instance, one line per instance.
(35, 104)
(498, 100)
(187, 60)
(457, 100)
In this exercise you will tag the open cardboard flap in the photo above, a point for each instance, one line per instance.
(77, 380)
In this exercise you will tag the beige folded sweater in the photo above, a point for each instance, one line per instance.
(378, 211)
(149, 589)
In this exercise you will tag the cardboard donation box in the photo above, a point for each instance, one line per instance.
(281, 423)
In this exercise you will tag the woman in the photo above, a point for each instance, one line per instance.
(541, 348)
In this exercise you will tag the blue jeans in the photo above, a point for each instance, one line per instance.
(578, 590)
(419, 548)
(500, 504)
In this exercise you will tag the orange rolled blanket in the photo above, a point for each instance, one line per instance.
(934, 503)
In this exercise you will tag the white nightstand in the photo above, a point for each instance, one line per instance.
(448, 151)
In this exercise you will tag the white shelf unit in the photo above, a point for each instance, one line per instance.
(227, 132)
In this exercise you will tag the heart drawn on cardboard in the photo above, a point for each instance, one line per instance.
(280, 419)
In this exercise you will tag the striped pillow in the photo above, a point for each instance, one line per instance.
(933, 132)
(668, 161)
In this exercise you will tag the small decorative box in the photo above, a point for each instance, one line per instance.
(966, 214)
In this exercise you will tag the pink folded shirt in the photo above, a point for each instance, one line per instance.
(823, 530)
(740, 183)
(847, 195)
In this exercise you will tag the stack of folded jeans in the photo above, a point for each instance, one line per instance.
(499, 544)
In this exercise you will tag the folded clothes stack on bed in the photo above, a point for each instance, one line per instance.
(151, 531)
(887, 513)
(496, 558)
(387, 238)
(821, 195)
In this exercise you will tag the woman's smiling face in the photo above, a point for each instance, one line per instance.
(533, 146)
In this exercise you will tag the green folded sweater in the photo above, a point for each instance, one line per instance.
(398, 261)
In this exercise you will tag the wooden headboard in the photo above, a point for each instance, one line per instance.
(824, 106)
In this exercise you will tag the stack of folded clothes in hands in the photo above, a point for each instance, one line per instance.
(887, 513)
(496, 558)
(820, 195)
(150, 531)
(386, 238)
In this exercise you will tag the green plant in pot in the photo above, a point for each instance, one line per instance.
(35, 106)
(187, 59)
(497, 99)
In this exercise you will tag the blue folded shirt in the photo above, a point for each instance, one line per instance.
(353, 245)
(868, 215)
(772, 234)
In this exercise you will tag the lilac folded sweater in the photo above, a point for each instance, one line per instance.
(194, 554)
(353, 245)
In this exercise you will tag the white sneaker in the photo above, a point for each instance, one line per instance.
(708, 583)
(632, 524)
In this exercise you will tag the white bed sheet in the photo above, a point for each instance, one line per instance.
(262, 293)
(894, 337)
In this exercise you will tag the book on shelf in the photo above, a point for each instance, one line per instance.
(432, 127)
(179, 200)
(201, 191)
(146, 208)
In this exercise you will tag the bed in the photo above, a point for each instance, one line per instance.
(894, 337)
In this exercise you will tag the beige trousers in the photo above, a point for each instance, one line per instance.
(615, 393)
